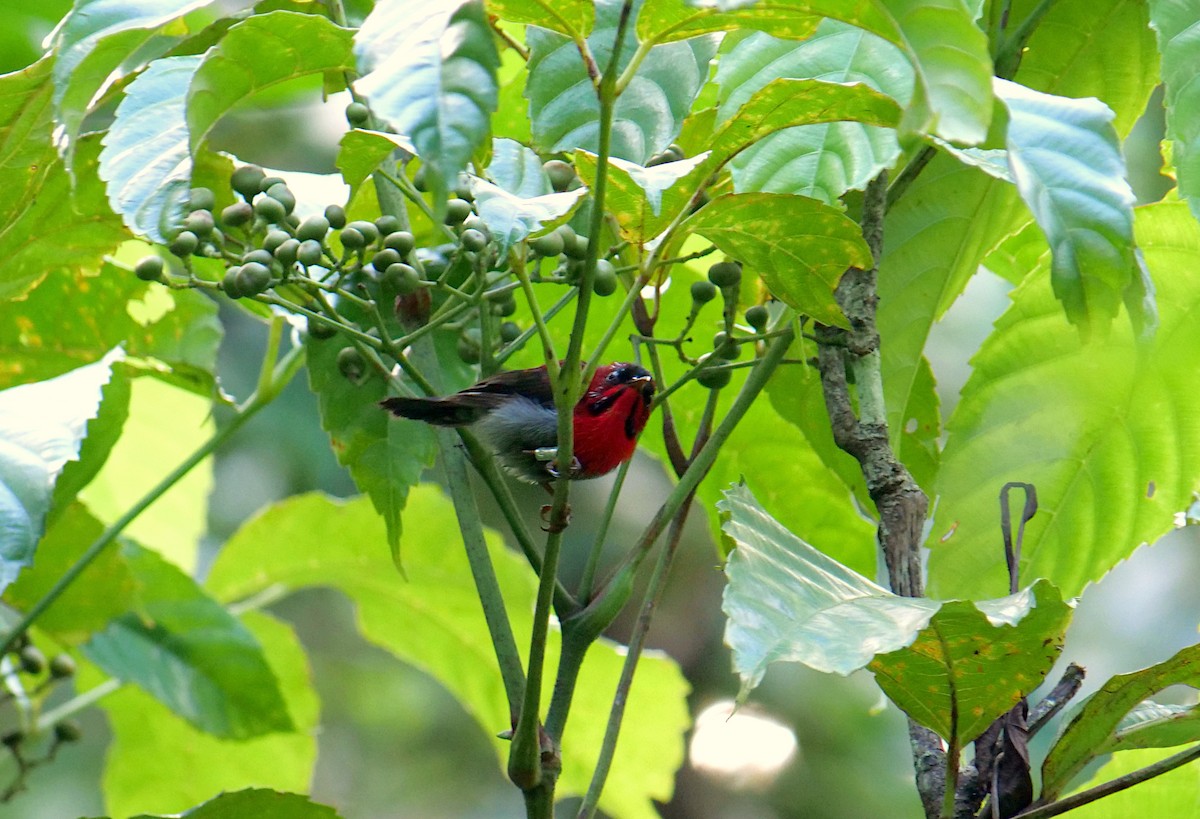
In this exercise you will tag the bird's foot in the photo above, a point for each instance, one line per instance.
(549, 525)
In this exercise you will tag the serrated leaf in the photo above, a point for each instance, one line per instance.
(41, 428)
(788, 602)
(517, 169)
(360, 152)
(191, 765)
(511, 218)
(145, 159)
(190, 654)
(1083, 422)
(563, 105)
(573, 18)
(1156, 725)
(1177, 24)
(1020, 253)
(257, 802)
(975, 661)
(822, 160)
(1092, 730)
(430, 70)
(385, 457)
(666, 21)
(259, 53)
(432, 620)
(97, 37)
(1068, 167)
(635, 195)
(799, 246)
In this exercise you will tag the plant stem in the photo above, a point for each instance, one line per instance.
(283, 371)
(589, 570)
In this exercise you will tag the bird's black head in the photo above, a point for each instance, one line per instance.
(634, 375)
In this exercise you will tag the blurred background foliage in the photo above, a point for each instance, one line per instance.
(394, 743)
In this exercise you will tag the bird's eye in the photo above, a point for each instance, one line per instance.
(613, 376)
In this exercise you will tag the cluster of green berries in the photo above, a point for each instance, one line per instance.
(724, 278)
(32, 664)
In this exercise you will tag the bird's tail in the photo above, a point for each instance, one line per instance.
(453, 411)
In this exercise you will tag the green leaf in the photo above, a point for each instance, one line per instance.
(1093, 48)
(385, 457)
(1083, 422)
(1093, 729)
(563, 105)
(258, 802)
(432, 620)
(1067, 163)
(520, 203)
(975, 661)
(799, 246)
(1172, 794)
(573, 18)
(517, 169)
(430, 70)
(788, 602)
(145, 159)
(105, 590)
(823, 160)
(97, 37)
(1156, 725)
(190, 766)
(666, 21)
(41, 428)
(1176, 23)
(259, 53)
(635, 195)
(190, 654)
(360, 152)
(1019, 254)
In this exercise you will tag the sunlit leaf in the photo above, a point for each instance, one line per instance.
(259, 802)
(1171, 794)
(573, 18)
(1177, 23)
(665, 21)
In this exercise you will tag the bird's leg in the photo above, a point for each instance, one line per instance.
(547, 526)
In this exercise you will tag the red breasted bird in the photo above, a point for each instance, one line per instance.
(515, 413)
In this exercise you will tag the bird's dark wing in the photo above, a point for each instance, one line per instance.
(533, 383)
(476, 401)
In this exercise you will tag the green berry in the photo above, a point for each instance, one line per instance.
(274, 239)
(201, 199)
(282, 194)
(504, 304)
(576, 247)
(336, 216)
(33, 661)
(367, 229)
(62, 666)
(462, 188)
(605, 281)
(350, 363)
(402, 278)
(260, 255)
(549, 245)
(199, 222)
(469, 345)
(320, 330)
(229, 283)
(757, 317)
(385, 258)
(473, 240)
(269, 182)
(352, 239)
(400, 241)
(561, 174)
(387, 224)
(286, 252)
(68, 731)
(314, 227)
(184, 244)
(419, 180)
(246, 180)
(725, 274)
(270, 209)
(725, 347)
(149, 268)
(357, 114)
(237, 214)
(254, 278)
(714, 379)
(510, 331)
(457, 210)
(309, 252)
(703, 292)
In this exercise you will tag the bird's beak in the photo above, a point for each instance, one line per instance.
(643, 384)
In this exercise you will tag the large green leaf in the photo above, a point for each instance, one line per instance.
(975, 661)
(1081, 420)
(145, 159)
(1093, 729)
(563, 105)
(823, 160)
(1177, 23)
(41, 428)
(259, 53)
(1172, 794)
(99, 37)
(643, 200)
(799, 246)
(190, 654)
(360, 152)
(788, 602)
(430, 70)
(385, 457)
(433, 621)
(520, 202)
(1093, 48)
(572, 18)
(189, 765)
(1156, 725)
(257, 802)
(1068, 168)
(665, 21)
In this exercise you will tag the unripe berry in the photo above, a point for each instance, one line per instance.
(33, 661)
(62, 666)
(605, 281)
(385, 258)
(282, 194)
(350, 363)
(473, 240)
(237, 214)
(504, 304)
(336, 215)
(201, 199)
(260, 255)
(400, 241)
(368, 230)
(270, 209)
(560, 173)
(549, 245)
(320, 330)
(714, 379)
(286, 252)
(387, 224)
(229, 283)
(314, 227)
(419, 181)
(576, 247)
(469, 345)
(149, 268)
(757, 317)
(68, 731)
(357, 114)
(246, 180)
(402, 278)
(725, 347)
(309, 252)
(352, 239)
(462, 188)
(725, 274)
(253, 278)
(199, 222)
(457, 210)
(184, 244)
(703, 292)
(510, 331)
(274, 239)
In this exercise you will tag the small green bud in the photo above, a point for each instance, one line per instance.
(703, 292)
(357, 114)
(725, 274)
(757, 317)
